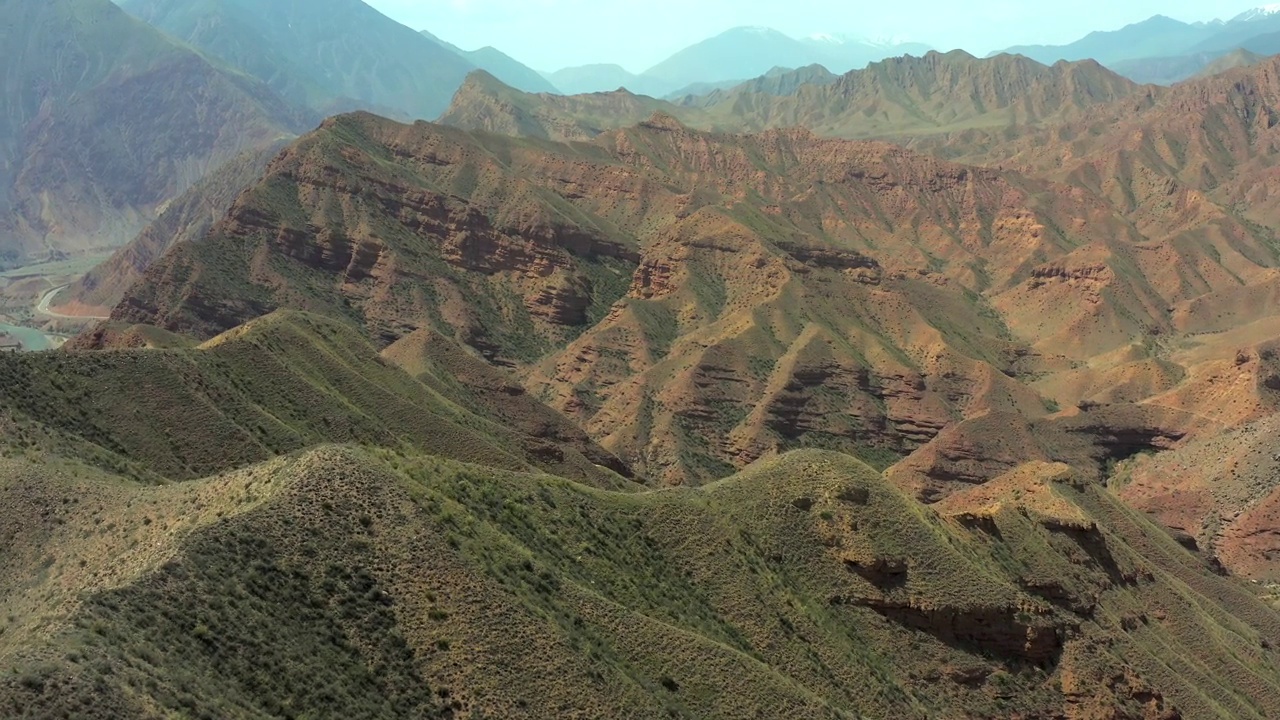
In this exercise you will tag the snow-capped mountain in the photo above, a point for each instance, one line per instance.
(1258, 13)
(828, 39)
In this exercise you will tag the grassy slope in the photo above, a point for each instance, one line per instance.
(283, 382)
(371, 584)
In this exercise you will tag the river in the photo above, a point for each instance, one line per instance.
(30, 338)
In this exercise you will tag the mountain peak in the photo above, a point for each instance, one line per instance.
(660, 120)
(482, 81)
(752, 30)
(1258, 13)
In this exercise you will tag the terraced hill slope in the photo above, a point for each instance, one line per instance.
(647, 264)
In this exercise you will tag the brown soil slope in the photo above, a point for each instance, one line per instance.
(695, 300)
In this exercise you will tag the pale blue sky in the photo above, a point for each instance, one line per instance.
(550, 34)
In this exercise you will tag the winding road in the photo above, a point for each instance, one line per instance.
(43, 307)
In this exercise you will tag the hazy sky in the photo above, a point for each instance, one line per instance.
(550, 34)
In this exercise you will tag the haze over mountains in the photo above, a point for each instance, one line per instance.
(1165, 50)
(826, 379)
(735, 55)
(99, 126)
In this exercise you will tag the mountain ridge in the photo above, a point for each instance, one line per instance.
(502, 66)
(731, 56)
(893, 98)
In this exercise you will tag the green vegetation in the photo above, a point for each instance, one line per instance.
(660, 326)
(284, 382)
(379, 584)
(438, 562)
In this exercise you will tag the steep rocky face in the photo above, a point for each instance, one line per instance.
(814, 321)
(1219, 493)
(1092, 440)
(695, 301)
(100, 125)
(1192, 160)
(401, 228)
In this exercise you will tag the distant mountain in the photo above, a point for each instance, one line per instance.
(1260, 13)
(894, 98)
(500, 65)
(738, 53)
(103, 120)
(1170, 70)
(331, 55)
(731, 58)
(1162, 50)
(1231, 61)
(778, 81)
(753, 51)
(1164, 70)
(782, 82)
(606, 78)
(485, 104)
(842, 53)
(905, 96)
(1241, 33)
(703, 88)
(1158, 36)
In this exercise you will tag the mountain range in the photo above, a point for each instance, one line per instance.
(597, 250)
(897, 97)
(332, 55)
(1163, 50)
(732, 56)
(834, 387)
(502, 66)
